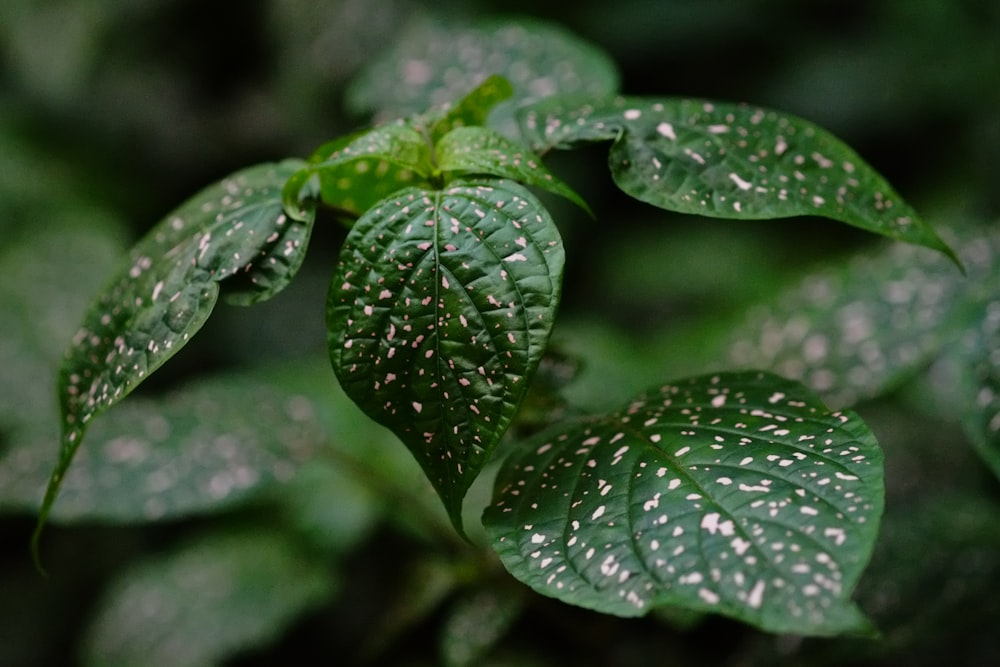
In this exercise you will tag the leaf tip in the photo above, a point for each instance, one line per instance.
(51, 492)
(35, 547)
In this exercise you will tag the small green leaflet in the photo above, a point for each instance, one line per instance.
(474, 108)
(730, 161)
(739, 494)
(234, 233)
(354, 173)
(438, 315)
(478, 150)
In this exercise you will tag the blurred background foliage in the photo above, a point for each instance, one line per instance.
(238, 511)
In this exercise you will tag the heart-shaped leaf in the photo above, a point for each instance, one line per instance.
(739, 494)
(234, 232)
(438, 315)
(481, 151)
(730, 161)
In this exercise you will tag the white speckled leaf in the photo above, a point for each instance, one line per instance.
(434, 63)
(234, 233)
(730, 161)
(194, 450)
(739, 494)
(856, 331)
(480, 151)
(438, 315)
(206, 601)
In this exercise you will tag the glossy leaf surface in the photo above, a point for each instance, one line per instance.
(233, 234)
(438, 315)
(354, 173)
(739, 494)
(481, 151)
(730, 161)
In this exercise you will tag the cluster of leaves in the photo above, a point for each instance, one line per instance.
(738, 493)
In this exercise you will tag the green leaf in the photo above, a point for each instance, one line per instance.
(357, 171)
(739, 494)
(474, 108)
(978, 388)
(206, 601)
(480, 151)
(436, 62)
(475, 623)
(565, 121)
(234, 233)
(858, 330)
(48, 278)
(965, 379)
(438, 315)
(193, 450)
(731, 161)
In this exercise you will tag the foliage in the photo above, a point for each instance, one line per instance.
(732, 493)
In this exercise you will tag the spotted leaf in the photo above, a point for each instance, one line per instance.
(730, 161)
(434, 62)
(856, 331)
(480, 151)
(194, 450)
(232, 236)
(438, 315)
(739, 494)
(351, 174)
